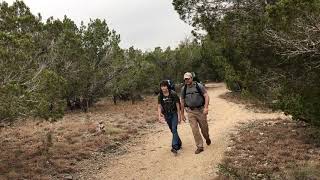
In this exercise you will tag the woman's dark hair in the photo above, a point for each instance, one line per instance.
(164, 83)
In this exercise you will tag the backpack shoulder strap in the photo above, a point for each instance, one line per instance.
(184, 91)
(199, 89)
(170, 92)
(201, 93)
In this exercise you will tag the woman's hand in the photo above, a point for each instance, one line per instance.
(161, 118)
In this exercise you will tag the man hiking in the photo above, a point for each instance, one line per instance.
(195, 100)
(169, 110)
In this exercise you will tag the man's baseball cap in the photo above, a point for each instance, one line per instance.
(187, 75)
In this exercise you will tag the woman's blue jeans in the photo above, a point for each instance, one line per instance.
(172, 121)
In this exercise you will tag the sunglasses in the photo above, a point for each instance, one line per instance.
(187, 79)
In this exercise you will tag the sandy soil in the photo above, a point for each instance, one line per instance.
(152, 159)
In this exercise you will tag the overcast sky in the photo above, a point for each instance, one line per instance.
(144, 24)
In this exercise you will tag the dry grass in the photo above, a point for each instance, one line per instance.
(273, 149)
(35, 149)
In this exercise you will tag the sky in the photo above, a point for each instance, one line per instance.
(144, 24)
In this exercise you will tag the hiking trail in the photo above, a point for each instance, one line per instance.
(152, 159)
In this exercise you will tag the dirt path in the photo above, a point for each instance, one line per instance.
(152, 159)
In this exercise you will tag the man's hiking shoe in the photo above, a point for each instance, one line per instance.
(174, 151)
(199, 150)
(208, 141)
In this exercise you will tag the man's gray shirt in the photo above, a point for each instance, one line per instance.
(193, 98)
